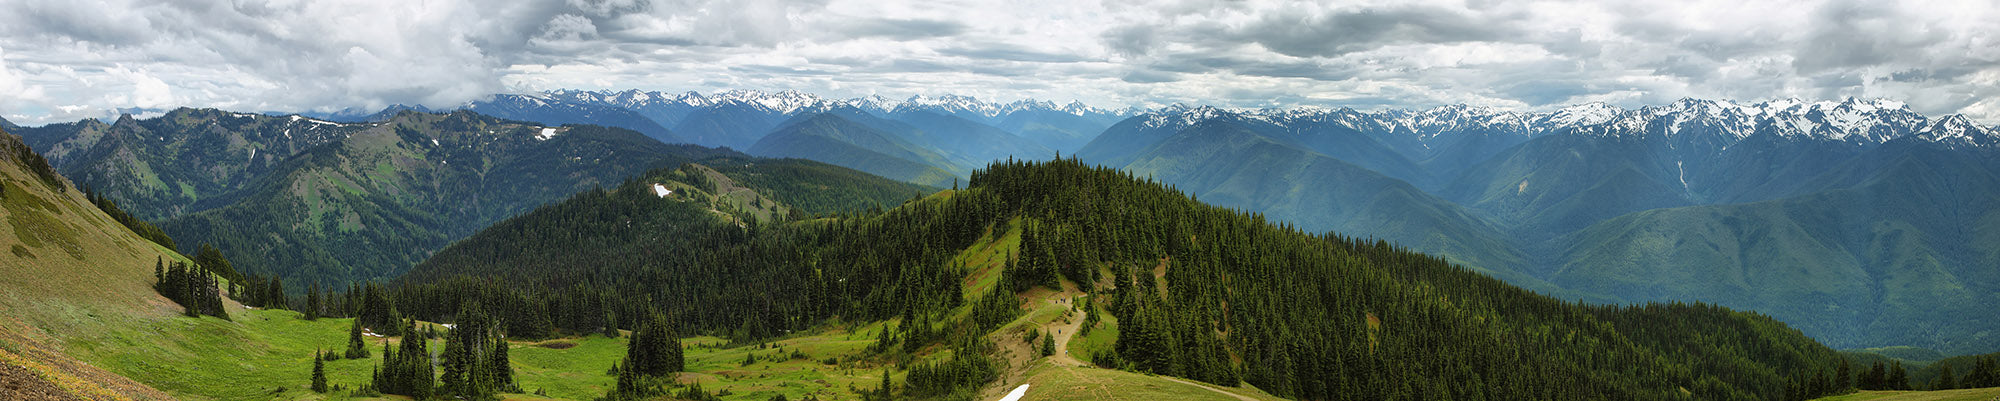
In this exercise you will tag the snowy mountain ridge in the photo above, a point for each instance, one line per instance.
(1858, 121)
(791, 101)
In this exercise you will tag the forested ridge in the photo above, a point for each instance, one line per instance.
(1199, 292)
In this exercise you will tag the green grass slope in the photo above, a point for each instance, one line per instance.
(68, 272)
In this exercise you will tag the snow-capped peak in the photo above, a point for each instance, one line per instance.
(1956, 130)
(1586, 114)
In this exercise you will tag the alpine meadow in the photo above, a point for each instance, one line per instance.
(790, 200)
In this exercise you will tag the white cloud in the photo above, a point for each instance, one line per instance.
(92, 56)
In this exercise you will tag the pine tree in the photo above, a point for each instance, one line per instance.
(654, 349)
(1843, 377)
(1876, 378)
(274, 296)
(500, 368)
(319, 373)
(1945, 379)
(610, 325)
(314, 306)
(356, 349)
(1048, 345)
(1898, 378)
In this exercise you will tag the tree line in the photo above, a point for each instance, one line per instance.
(1197, 291)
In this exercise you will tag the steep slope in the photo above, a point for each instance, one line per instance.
(967, 145)
(1561, 183)
(731, 124)
(1856, 267)
(378, 200)
(1193, 291)
(69, 269)
(1229, 164)
(1055, 129)
(831, 139)
(181, 162)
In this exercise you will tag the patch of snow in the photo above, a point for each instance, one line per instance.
(662, 190)
(1684, 175)
(546, 134)
(1016, 394)
(434, 142)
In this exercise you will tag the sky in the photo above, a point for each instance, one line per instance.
(71, 59)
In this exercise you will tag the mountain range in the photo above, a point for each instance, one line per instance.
(319, 201)
(1851, 220)
(1848, 219)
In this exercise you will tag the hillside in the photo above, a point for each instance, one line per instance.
(1323, 316)
(1232, 164)
(69, 270)
(380, 198)
(1831, 216)
(183, 162)
(529, 108)
(829, 138)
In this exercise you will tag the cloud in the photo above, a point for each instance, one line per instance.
(901, 28)
(82, 58)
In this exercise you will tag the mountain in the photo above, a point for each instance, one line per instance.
(829, 138)
(72, 274)
(183, 162)
(964, 143)
(1826, 215)
(1228, 163)
(731, 124)
(1065, 129)
(1174, 287)
(542, 109)
(738, 118)
(289, 179)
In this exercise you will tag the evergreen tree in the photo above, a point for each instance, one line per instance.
(275, 295)
(1898, 378)
(654, 350)
(610, 325)
(1048, 345)
(1843, 377)
(1945, 380)
(314, 306)
(210, 258)
(1876, 378)
(500, 368)
(1984, 373)
(356, 349)
(319, 373)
